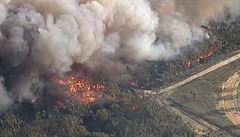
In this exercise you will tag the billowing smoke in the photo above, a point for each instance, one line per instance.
(48, 36)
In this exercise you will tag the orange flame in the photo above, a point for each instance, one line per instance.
(205, 55)
(82, 90)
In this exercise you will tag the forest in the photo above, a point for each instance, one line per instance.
(126, 116)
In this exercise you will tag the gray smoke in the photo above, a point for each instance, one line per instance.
(5, 98)
(49, 36)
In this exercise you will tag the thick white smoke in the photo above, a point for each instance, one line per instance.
(49, 36)
(70, 32)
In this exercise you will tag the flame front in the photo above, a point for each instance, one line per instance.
(82, 90)
(205, 55)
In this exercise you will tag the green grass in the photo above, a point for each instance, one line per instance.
(200, 96)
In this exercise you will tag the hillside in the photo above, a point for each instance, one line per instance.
(119, 68)
(203, 96)
(126, 117)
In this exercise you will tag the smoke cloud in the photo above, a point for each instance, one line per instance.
(48, 36)
(5, 99)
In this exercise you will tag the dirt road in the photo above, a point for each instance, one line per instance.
(202, 73)
(198, 123)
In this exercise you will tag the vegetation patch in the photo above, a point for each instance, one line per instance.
(126, 117)
(200, 96)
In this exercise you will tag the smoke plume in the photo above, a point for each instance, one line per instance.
(40, 37)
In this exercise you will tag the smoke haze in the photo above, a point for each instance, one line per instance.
(48, 36)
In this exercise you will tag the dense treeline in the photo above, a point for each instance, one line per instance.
(126, 117)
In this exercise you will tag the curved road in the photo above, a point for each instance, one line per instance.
(198, 123)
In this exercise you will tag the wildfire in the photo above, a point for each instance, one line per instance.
(210, 52)
(82, 90)
(205, 55)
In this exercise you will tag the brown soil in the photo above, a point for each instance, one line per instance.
(230, 106)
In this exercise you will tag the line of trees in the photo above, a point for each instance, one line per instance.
(130, 116)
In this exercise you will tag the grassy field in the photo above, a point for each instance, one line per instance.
(200, 96)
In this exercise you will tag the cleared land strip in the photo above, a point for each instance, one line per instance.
(231, 104)
(199, 124)
(202, 73)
